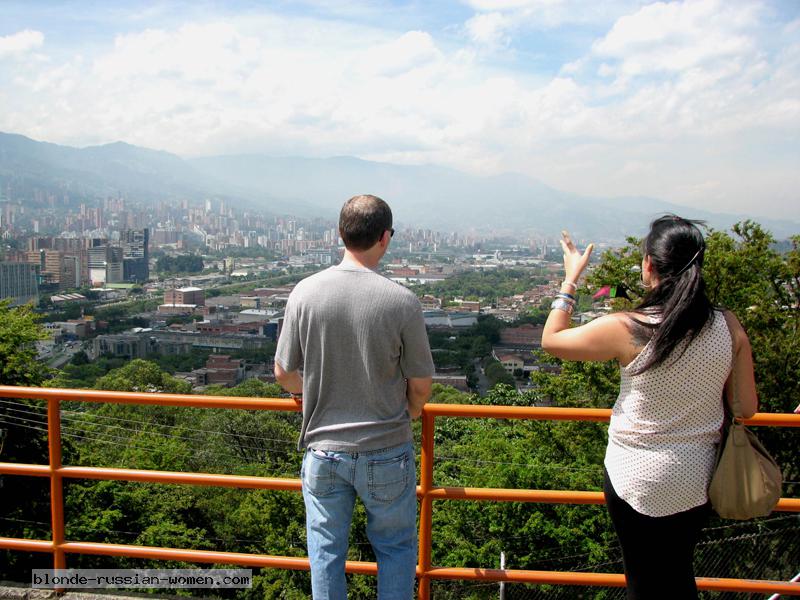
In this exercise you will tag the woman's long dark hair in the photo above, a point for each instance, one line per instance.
(676, 249)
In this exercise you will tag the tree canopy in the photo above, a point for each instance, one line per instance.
(19, 330)
(183, 263)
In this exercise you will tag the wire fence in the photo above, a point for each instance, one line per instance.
(759, 549)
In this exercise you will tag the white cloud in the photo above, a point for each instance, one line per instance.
(211, 53)
(675, 37)
(669, 98)
(412, 50)
(489, 29)
(20, 43)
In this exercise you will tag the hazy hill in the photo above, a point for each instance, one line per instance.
(426, 196)
(100, 170)
(446, 199)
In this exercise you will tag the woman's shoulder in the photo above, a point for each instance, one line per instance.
(619, 319)
(640, 325)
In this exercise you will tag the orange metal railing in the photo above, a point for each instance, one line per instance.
(427, 492)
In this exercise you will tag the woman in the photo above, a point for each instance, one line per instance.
(678, 357)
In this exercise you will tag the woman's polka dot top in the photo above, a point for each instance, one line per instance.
(666, 423)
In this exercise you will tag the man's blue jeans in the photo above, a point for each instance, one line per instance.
(385, 480)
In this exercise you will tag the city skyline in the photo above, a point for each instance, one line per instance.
(692, 102)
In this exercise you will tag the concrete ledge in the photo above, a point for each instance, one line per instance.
(18, 592)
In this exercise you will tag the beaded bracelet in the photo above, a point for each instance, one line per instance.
(562, 304)
(565, 295)
(571, 284)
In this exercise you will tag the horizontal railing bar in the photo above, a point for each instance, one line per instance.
(209, 556)
(760, 586)
(368, 568)
(606, 579)
(204, 479)
(294, 485)
(201, 556)
(551, 496)
(24, 469)
(515, 495)
(518, 412)
(185, 400)
(549, 413)
(788, 505)
(7, 543)
(280, 404)
(774, 420)
(523, 576)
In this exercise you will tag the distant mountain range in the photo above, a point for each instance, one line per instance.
(422, 196)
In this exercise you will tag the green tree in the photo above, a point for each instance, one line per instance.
(84, 376)
(24, 425)
(142, 376)
(183, 263)
(79, 359)
(171, 363)
(19, 331)
(489, 328)
(496, 373)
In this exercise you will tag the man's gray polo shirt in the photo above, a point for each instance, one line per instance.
(357, 336)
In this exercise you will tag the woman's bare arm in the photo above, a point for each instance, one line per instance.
(606, 338)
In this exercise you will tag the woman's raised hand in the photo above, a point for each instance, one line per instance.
(574, 261)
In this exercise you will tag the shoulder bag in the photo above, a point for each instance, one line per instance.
(747, 480)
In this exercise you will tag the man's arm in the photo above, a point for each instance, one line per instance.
(291, 381)
(418, 392)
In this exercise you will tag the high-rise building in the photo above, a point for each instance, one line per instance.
(105, 264)
(18, 282)
(135, 254)
(98, 259)
(114, 268)
(71, 272)
(49, 265)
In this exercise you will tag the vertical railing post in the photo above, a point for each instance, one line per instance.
(426, 505)
(56, 483)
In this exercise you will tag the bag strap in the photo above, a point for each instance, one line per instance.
(735, 401)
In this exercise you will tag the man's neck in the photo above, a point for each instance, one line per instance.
(367, 260)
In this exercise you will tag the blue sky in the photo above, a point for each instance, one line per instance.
(696, 101)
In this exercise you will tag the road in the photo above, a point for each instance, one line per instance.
(483, 383)
(59, 359)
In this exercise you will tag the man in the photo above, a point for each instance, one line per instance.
(360, 341)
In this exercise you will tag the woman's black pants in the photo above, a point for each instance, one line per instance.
(657, 552)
